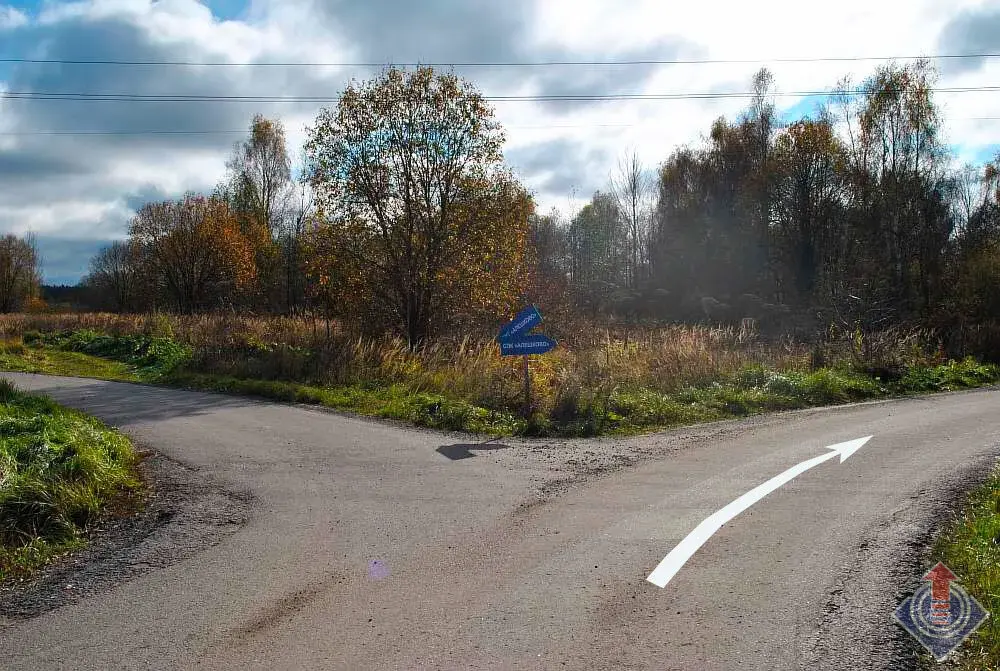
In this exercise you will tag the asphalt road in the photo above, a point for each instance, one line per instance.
(526, 555)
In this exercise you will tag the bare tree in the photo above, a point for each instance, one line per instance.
(115, 276)
(300, 212)
(20, 275)
(633, 193)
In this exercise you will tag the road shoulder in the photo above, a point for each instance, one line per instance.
(186, 512)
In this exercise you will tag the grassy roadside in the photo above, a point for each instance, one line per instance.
(601, 409)
(60, 471)
(16, 357)
(970, 547)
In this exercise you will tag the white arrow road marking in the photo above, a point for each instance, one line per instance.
(673, 562)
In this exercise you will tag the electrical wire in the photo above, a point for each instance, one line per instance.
(136, 97)
(502, 64)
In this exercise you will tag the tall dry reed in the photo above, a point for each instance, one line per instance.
(591, 359)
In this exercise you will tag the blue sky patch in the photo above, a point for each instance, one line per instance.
(987, 153)
(227, 10)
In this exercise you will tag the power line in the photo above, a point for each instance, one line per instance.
(243, 131)
(504, 64)
(134, 97)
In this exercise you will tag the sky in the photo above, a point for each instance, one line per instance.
(73, 172)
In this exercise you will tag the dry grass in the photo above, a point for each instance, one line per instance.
(599, 379)
(663, 358)
(592, 363)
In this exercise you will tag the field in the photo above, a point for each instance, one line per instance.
(599, 380)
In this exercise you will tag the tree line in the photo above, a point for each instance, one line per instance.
(854, 216)
(405, 218)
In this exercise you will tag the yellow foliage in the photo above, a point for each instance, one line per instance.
(196, 246)
(420, 224)
(35, 304)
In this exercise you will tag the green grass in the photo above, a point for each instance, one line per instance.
(618, 410)
(970, 547)
(144, 357)
(16, 357)
(60, 471)
(395, 402)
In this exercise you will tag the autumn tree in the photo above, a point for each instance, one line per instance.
(810, 241)
(898, 183)
(115, 277)
(195, 250)
(260, 193)
(425, 224)
(260, 175)
(20, 274)
(708, 243)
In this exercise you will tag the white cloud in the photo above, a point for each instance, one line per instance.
(588, 138)
(177, 173)
(12, 18)
(73, 218)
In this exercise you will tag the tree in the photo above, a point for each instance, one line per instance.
(414, 198)
(977, 196)
(550, 260)
(194, 249)
(260, 193)
(115, 277)
(20, 275)
(898, 180)
(291, 242)
(758, 185)
(808, 235)
(260, 177)
(632, 190)
(598, 256)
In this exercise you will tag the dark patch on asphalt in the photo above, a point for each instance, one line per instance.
(464, 450)
(275, 613)
(185, 512)
(283, 609)
(857, 626)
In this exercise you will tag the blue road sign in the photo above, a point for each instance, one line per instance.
(526, 319)
(528, 344)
